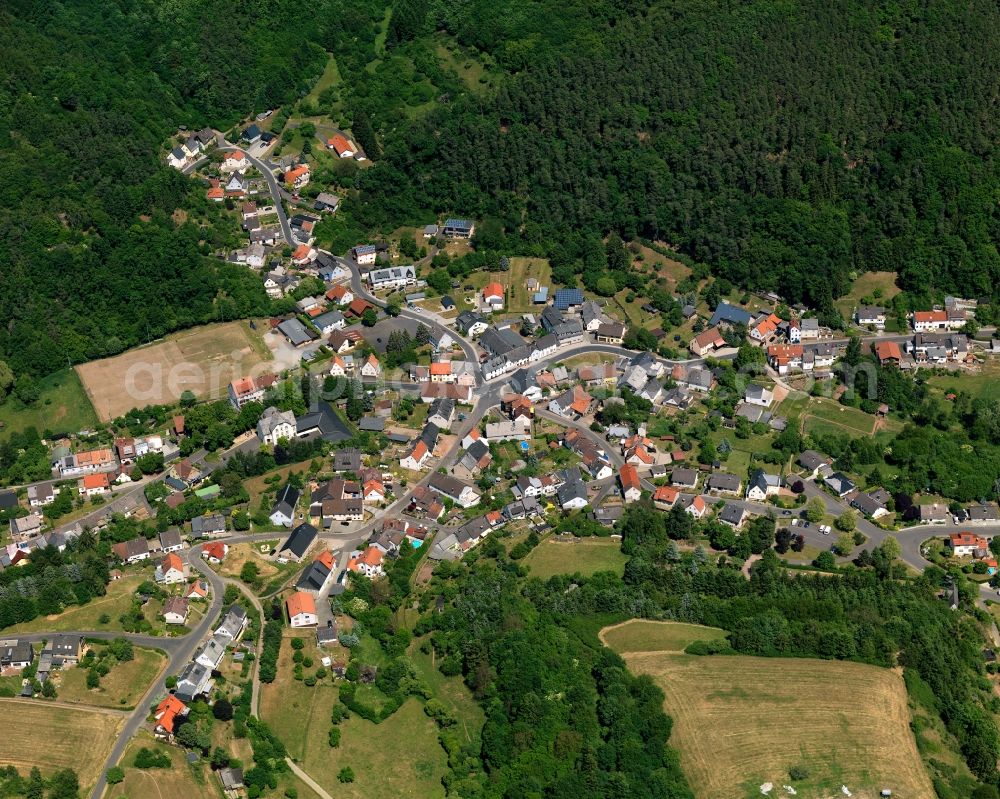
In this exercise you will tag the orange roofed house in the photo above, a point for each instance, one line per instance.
(249, 389)
(301, 610)
(297, 177)
(368, 563)
(166, 715)
(888, 352)
(170, 570)
(91, 485)
(923, 321)
(785, 358)
(707, 341)
(765, 328)
(967, 544)
(664, 497)
(340, 145)
(631, 488)
(492, 297)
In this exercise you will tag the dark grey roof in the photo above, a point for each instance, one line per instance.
(723, 481)
(733, 514)
(202, 525)
(372, 424)
(8, 500)
(347, 460)
(295, 331)
(323, 422)
(313, 577)
(725, 312)
(299, 541)
(286, 500)
(171, 538)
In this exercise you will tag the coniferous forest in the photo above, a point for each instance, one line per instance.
(786, 145)
(789, 147)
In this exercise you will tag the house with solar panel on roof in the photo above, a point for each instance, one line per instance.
(458, 228)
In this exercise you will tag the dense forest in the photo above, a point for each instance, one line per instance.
(93, 257)
(789, 146)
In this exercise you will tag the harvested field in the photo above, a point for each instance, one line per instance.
(53, 737)
(742, 721)
(203, 360)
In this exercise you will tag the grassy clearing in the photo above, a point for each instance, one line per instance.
(62, 406)
(87, 617)
(258, 486)
(451, 691)
(519, 299)
(121, 688)
(295, 711)
(400, 757)
(865, 286)
(330, 77)
(846, 723)
(641, 635)
(983, 383)
(53, 738)
(586, 556)
(192, 781)
(469, 68)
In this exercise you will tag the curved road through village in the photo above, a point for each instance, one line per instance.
(180, 650)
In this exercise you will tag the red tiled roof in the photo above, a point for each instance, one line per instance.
(300, 602)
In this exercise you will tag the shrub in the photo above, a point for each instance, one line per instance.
(346, 774)
(115, 775)
(150, 758)
(334, 737)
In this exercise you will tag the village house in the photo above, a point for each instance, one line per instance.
(870, 316)
(458, 492)
(315, 575)
(170, 570)
(175, 610)
(664, 497)
(297, 177)
(298, 543)
(367, 562)
(166, 714)
(132, 551)
(249, 389)
(695, 506)
(492, 298)
(235, 161)
(888, 353)
(283, 510)
(393, 277)
(631, 488)
(208, 525)
(371, 368)
(707, 341)
(215, 551)
(275, 425)
(416, 457)
(762, 485)
(733, 515)
(458, 229)
(340, 145)
(968, 545)
(610, 333)
(234, 622)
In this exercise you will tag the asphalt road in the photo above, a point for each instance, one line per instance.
(180, 651)
(272, 184)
